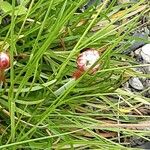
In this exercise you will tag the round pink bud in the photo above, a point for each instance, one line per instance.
(4, 61)
(86, 59)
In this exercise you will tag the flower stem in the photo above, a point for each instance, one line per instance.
(2, 77)
(65, 87)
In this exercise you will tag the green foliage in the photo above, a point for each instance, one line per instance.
(7, 9)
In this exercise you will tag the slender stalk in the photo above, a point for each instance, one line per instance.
(11, 93)
(65, 87)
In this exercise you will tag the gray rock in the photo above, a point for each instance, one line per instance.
(135, 44)
(136, 141)
(145, 146)
(136, 83)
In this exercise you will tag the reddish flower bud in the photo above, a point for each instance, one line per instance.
(86, 59)
(77, 74)
(4, 61)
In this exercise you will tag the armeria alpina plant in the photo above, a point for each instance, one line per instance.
(86, 59)
(4, 64)
(84, 62)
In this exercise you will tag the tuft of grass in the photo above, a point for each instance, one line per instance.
(44, 42)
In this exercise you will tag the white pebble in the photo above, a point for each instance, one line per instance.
(136, 83)
(145, 53)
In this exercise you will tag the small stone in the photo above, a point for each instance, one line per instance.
(137, 52)
(145, 146)
(136, 83)
(145, 53)
(135, 44)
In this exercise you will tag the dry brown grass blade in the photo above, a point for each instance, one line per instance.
(144, 125)
(123, 12)
(119, 15)
(103, 134)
